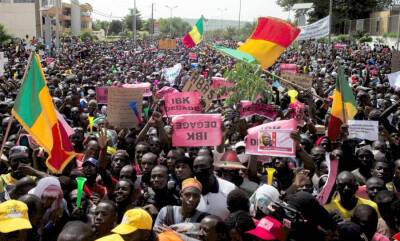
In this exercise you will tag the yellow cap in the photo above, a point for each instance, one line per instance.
(133, 220)
(14, 216)
(112, 237)
(111, 150)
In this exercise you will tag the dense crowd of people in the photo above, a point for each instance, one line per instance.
(139, 187)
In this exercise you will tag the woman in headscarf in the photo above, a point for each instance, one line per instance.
(261, 199)
(55, 215)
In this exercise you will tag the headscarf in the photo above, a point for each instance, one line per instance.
(49, 187)
(262, 198)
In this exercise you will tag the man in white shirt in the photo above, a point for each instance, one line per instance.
(215, 190)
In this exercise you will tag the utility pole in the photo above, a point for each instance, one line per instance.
(152, 21)
(59, 9)
(330, 21)
(170, 17)
(240, 10)
(134, 23)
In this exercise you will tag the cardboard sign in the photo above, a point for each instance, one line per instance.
(182, 103)
(192, 56)
(197, 130)
(363, 129)
(101, 95)
(146, 86)
(203, 86)
(119, 114)
(288, 68)
(301, 80)
(220, 83)
(167, 44)
(272, 139)
(395, 61)
(247, 108)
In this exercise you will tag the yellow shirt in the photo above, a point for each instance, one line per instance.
(5, 180)
(346, 214)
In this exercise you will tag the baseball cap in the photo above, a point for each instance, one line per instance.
(18, 152)
(133, 220)
(112, 237)
(14, 216)
(268, 228)
(90, 161)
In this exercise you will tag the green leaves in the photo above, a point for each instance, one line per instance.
(248, 84)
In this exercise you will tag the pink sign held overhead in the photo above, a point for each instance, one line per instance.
(289, 68)
(247, 108)
(101, 95)
(146, 86)
(182, 103)
(192, 56)
(197, 130)
(340, 46)
(218, 83)
(272, 139)
(164, 91)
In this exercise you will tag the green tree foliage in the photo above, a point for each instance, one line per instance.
(99, 24)
(175, 26)
(115, 27)
(249, 83)
(148, 25)
(128, 20)
(4, 36)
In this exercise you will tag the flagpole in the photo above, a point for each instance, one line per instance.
(5, 137)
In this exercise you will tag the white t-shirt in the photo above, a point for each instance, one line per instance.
(215, 203)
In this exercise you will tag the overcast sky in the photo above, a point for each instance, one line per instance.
(229, 9)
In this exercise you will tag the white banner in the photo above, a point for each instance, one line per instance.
(170, 74)
(363, 129)
(394, 79)
(315, 30)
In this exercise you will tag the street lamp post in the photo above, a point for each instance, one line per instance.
(134, 24)
(170, 17)
(240, 10)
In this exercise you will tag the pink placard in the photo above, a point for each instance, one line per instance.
(272, 139)
(164, 91)
(247, 108)
(101, 95)
(339, 46)
(197, 130)
(323, 196)
(219, 82)
(182, 103)
(146, 86)
(289, 68)
(192, 56)
(298, 112)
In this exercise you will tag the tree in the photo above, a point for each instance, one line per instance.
(174, 26)
(99, 24)
(128, 20)
(4, 36)
(115, 27)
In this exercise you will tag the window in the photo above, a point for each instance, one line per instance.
(24, 1)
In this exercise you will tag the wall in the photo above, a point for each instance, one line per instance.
(18, 19)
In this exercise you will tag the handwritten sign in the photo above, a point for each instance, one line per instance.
(247, 108)
(363, 129)
(165, 91)
(288, 68)
(301, 80)
(272, 139)
(119, 114)
(167, 44)
(182, 103)
(197, 130)
(101, 95)
(170, 74)
(146, 86)
(203, 86)
(192, 56)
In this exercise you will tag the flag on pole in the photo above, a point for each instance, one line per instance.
(35, 111)
(343, 106)
(268, 41)
(195, 36)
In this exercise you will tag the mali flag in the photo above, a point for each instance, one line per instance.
(35, 111)
(195, 36)
(343, 106)
(268, 41)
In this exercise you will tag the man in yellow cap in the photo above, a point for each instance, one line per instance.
(135, 226)
(14, 221)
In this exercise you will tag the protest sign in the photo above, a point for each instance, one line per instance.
(298, 112)
(288, 68)
(164, 91)
(247, 108)
(182, 103)
(167, 44)
(316, 30)
(301, 80)
(363, 129)
(272, 139)
(101, 95)
(394, 79)
(119, 113)
(221, 83)
(339, 46)
(196, 130)
(170, 74)
(395, 65)
(203, 86)
(192, 56)
(3, 61)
